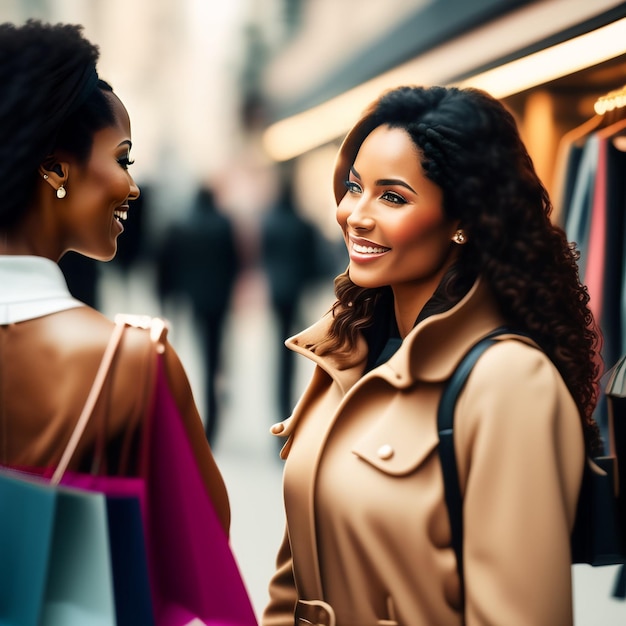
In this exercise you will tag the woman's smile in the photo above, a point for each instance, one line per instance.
(365, 250)
(121, 213)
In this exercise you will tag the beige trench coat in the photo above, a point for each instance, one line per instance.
(368, 539)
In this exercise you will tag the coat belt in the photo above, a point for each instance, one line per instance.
(314, 613)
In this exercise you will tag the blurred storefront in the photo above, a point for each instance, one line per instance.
(549, 60)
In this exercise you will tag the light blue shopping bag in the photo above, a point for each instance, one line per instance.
(55, 565)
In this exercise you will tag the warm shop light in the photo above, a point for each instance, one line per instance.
(317, 126)
(542, 67)
(612, 100)
(312, 128)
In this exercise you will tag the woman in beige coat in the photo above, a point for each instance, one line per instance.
(448, 232)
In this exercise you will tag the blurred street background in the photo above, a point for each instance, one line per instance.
(237, 111)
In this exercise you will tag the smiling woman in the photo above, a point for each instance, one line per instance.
(448, 231)
(65, 141)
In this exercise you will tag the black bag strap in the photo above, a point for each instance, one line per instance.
(445, 424)
(452, 489)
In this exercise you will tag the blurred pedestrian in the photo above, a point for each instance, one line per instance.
(199, 261)
(290, 251)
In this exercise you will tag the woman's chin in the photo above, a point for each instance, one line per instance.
(363, 279)
(100, 255)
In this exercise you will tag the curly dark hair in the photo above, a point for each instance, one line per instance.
(469, 146)
(50, 100)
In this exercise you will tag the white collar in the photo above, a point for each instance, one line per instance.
(30, 287)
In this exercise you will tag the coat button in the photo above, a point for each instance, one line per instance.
(385, 452)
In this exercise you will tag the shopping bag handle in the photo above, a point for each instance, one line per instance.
(90, 403)
(158, 328)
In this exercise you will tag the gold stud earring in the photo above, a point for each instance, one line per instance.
(459, 237)
(61, 193)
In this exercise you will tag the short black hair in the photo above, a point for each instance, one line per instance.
(50, 99)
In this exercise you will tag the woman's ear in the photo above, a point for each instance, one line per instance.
(54, 172)
(459, 236)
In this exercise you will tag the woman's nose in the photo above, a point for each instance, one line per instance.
(135, 192)
(360, 217)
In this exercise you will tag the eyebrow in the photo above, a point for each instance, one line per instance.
(382, 182)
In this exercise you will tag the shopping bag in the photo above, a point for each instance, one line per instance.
(91, 550)
(192, 572)
(125, 504)
(27, 517)
(616, 399)
(193, 569)
(55, 553)
(55, 566)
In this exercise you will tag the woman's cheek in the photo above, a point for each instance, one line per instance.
(416, 230)
(342, 214)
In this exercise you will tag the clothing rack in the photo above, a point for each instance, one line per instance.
(610, 101)
(591, 212)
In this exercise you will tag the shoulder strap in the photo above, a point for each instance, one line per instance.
(90, 403)
(158, 331)
(445, 425)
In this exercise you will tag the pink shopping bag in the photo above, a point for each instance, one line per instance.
(193, 570)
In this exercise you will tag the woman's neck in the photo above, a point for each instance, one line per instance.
(408, 302)
(410, 298)
(31, 238)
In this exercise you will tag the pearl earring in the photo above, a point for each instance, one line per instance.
(459, 237)
(61, 193)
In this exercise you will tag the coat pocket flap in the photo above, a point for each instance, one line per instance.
(397, 442)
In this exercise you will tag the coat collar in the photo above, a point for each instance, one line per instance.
(345, 371)
(428, 353)
(431, 351)
(32, 286)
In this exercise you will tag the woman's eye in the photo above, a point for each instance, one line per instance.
(352, 186)
(394, 198)
(125, 161)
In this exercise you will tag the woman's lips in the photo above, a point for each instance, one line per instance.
(368, 249)
(121, 213)
(363, 249)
